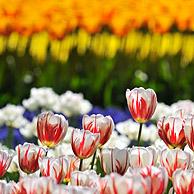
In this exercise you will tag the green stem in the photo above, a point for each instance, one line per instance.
(80, 164)
(9, 139)
(93, 160)
(139, 134)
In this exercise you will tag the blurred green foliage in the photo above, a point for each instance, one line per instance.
(103, 81)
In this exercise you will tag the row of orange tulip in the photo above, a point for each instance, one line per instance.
(120, 16)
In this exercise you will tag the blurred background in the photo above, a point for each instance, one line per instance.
(98, 48)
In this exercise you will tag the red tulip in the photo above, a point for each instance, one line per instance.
(142, 103)
(5, 161)
(174, 159)
(28, 155)
(51, 128)
(99, 124)
(84, 143)
(171, 131)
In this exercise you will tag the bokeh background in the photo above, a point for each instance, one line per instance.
(99, 48)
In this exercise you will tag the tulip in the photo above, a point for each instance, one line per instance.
(5, 161)
(73, 164)
(28, 156)
(38, 185)
(142, 104)
(114, 183)
(99, 124)
(159, 178)
(183, 181)
(189, 131)
(9, 188)
(114, 160)
(84, 143)
(51, 128)
(56, 168)
(87, 178)
(142, 157)
(174, 159)
(171, 131)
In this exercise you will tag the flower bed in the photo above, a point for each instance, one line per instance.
(74, 147)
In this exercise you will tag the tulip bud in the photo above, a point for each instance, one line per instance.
(84, 143)
(114, 160)
(56, 168)
(142, 103)
(171, 131)
(28, 155)
(189, 131)
(174, 159)
(51, 128)
(157, 175)
(99, 124)
(141, 156)
(5, 161)
(183, 181)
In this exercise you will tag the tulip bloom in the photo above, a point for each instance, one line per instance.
(84, 143)
(38, 185)
(73, 165)
(87, 178)
(183, 181)
(115, 183)
(157, 175)
(99, 124)
(189, 131)
(9, 188)
(51, 128)
(142, 103)
(174, 159)
(28, 156)
(114, 160)
(5, 161)
(56, 168)
(141, 157)
(171, 131)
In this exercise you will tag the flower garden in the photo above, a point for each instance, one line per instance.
(96, 97)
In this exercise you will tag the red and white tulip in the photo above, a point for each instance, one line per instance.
(115, 183)
(114, 160)
(159, 178)
(171, 131)
(84, 143)
(189, 131)
(141, 103)
(51, 128)
(99, 124)
(142, 157)
(28, 156)
(5, 161)
(174, 159)
(183, 181)
(56, 168)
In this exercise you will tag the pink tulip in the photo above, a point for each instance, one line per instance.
(5, 161)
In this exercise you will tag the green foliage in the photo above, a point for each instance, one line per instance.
(103, 81)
